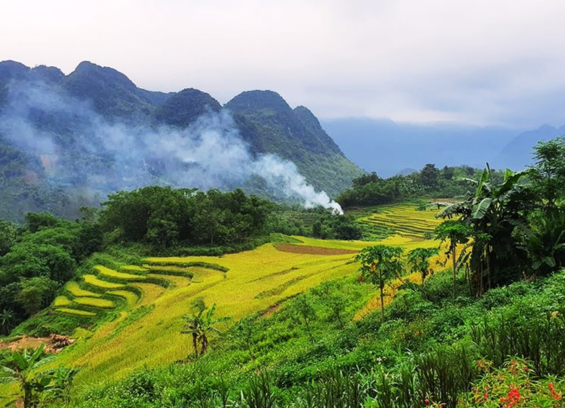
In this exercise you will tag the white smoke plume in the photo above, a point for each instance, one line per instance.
(118, 156)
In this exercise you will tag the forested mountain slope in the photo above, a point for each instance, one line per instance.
(68, 140)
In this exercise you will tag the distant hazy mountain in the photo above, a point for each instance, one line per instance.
(517, 154)
(67, 140)
(388, 147)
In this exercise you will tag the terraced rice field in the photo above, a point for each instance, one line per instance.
(94, 302)
(110, 273)
(404, 220)
(62, 301)
(101, 284)
(130, 297)
(74, 289)
(70, 311)
(147, 317)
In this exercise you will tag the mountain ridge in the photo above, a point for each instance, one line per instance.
(81, 117)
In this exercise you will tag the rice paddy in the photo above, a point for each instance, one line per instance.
(94, 302)
(404, 220)
(75, 312)
(110, 273)
(62, 301)
(133, 268)
(147, 330)
(130, 297)
(74, 289)
(101, 284)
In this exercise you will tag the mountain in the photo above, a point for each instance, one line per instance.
(517, 154)
(69, 140)
(387, 147)
(295, 135)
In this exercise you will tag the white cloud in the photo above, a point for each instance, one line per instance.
(478, 61)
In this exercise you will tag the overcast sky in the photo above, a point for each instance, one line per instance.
(480, 62)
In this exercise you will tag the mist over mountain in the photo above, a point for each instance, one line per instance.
(517, 154)
(388, 147)
(67, 141)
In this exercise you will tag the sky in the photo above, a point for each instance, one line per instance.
(475, 62)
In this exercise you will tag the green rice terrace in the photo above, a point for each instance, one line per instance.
(413, 221)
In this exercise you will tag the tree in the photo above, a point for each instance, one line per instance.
(8, 236)
(306, 314)
(419, 260)
(548, 174)
(22, 369)
(545, 241)
(456, 233)
(6, 321)
(200, 325)
(379, 265)
(429, 175)
(36, 294)
(448, 172)
(36, 221)
(491, 215)
(365, 179)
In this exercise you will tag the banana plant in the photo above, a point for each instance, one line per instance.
(200, 325)
(22, 368)
(495, 211)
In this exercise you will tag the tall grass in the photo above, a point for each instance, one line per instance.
(540, 341)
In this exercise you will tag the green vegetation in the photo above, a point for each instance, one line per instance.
(473, 304)
(40, 257)
(371, 190)
(379, 265)
(22, 369)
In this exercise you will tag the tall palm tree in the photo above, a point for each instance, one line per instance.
(379, 265)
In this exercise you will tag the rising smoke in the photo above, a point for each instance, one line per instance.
(81, 149)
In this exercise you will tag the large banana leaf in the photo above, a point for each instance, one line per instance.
(480, 210)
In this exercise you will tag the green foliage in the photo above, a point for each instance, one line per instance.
(419, 261)
(545, 242)
(330, 226)
(8, 236)
(36, 293)
(429, 176)
(491, 216)
(165, 217)
(22, 368)
(549, 172)
(41, 258)
(371, 190)
(200, 324)
(379, 265)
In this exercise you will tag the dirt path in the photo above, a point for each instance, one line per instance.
(53, 344)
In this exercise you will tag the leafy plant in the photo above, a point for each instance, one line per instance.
(200, 325)
(380, 264)
(21, 368)
(419, 261)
